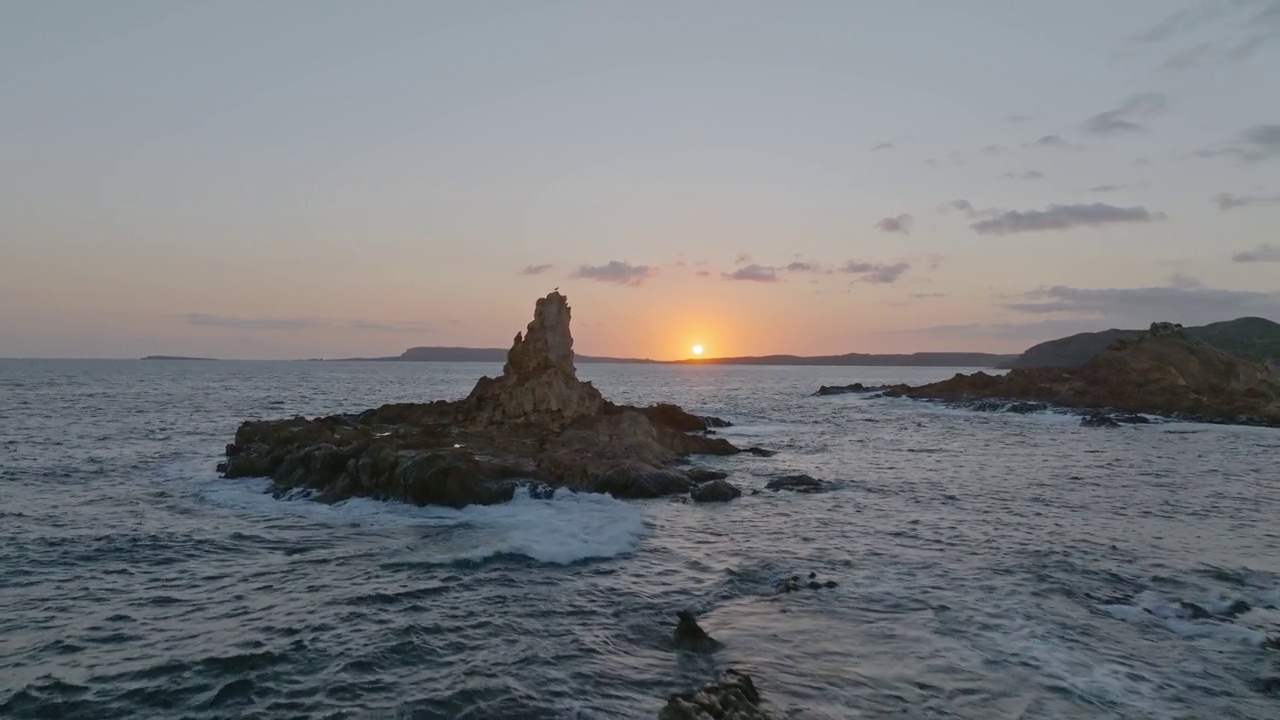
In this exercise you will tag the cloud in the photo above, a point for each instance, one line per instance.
(620, 273)
(1141, 162)
(1227, 201)
(742, 258)
(1124, 119)
(1051, 141)
(801, 266)
(1063, 217)
(535, 269)
(1137, 307)
(1184, 281)
(702, 273)
(899, 224)
(1260, 142)
(963, 206)
(874, 272)
(928, 295)
(882, 146)
(296, 324)
(993, 151)
(1263, 253)
(753, 273)
(1256, 22)
(1017, 119)
(1028, 175)
(1107, 188)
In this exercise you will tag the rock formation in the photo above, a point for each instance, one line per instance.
(536, 422)
(714, 491)
(731, 697)
(1163, 371)
(690, 636)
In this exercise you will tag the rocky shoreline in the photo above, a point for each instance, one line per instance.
(1163, 372)
(535, 424)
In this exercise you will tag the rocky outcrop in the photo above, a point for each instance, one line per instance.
(535, 423)
(796, 483)
(714, 491)
(731, 697)
(690, 636)
(1163, 371)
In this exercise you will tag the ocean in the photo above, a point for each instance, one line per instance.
(989, 565)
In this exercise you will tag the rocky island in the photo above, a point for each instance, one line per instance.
(535, 423)
(1162, 371)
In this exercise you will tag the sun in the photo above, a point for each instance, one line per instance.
(697, 349)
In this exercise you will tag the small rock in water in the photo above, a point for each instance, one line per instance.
(795, 584)
(1098, 420)
(731, 697)
(690, 636)
(760, 452)
(1267, 685)
(1236, 609)
(795, 483)
(841, 389)
(1197, 612)
(714, 491)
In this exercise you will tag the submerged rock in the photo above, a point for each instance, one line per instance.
(690, 636)
(715, 491)
(733, 696)
(536, 422)
(796, 483)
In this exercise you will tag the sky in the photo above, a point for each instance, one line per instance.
(334, 179)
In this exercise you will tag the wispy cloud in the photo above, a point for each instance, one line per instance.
(1107, 188)
(1063, 217)
(1140, 306)
(296, 324)
(993, 151)
(1243, 27)
(803, 266)
(535, 269)
(1263, 253)
(1056, 142)
(900, 224)
(1028, 175)
(1124, 119)
(753, 273)
(742, 258)
(1260, 142)
(882, 146)
(1185, 281)
(1017, 119)
(1228, 201)
(875, 272)
(617, 272)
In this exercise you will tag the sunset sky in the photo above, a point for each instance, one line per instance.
(329, 179)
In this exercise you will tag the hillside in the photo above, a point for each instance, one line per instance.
(1251, 337)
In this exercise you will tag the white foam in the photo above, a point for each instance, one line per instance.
(563, 529)
(1149, 607)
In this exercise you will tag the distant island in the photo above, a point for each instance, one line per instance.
(1251, 337)
(924, 359)
(176, 357)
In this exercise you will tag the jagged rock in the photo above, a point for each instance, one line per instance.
(1163, 371)
(733, 696)
(759, 452)
(537, 422)
(690, 636)
(795, 483)
(539, 384)
(701, 475)
(714, 491)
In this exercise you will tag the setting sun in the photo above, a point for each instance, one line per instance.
(697, 349)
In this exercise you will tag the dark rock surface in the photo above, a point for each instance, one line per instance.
(690, 636)
(715, 491)
(1098, 420)
(731, 697)
(795, 583)
(796, 483)
(535, 423)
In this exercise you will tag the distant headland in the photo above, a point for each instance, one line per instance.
(923, 359)
(178, 357)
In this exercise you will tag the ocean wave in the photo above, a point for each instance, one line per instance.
(566, 528)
